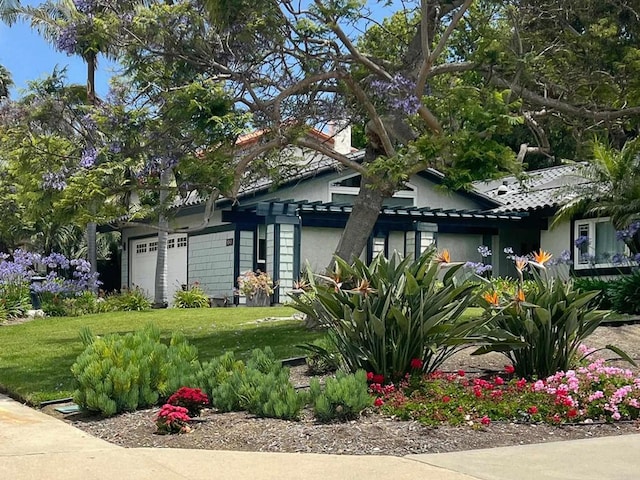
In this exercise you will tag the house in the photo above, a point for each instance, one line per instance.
(279, 231)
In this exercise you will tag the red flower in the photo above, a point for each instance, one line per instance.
(416, 364)
(556, 418)
(521, 383)
(378, 402)
(485, 420)
(509, 369)
(499, 381)
(446, 399)
(379, 378)
(369, 376)
(572, 413)
(532, 410)
(461, 373)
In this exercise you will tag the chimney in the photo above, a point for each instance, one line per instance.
(341, 132)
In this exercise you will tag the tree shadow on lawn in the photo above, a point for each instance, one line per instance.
(281, 337)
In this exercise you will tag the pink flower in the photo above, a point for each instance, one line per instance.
(485, 420)
(446, 399)
(369, 376)
(378, 402)
(509, 369)
(416, 364)
(499, 381)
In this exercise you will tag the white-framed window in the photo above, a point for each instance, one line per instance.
(153, 246)
(171, 243)
(141, 248)
(595, 244)
(345, 189)
(182, 242)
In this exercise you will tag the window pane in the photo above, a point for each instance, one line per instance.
(582, 243)
(606, 243)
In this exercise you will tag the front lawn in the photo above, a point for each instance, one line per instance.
(36, 357)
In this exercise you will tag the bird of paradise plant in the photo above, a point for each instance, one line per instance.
(552, 320)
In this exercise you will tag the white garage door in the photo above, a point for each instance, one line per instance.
(143, 264)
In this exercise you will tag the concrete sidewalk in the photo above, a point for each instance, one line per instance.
(36, 446)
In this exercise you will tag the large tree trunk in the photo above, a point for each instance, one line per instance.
(160, 296)
(366, 209)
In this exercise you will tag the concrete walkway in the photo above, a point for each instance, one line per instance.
(36, 446)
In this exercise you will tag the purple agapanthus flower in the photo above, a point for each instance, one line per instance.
(484, 251)
(581, 240)
(478, 267)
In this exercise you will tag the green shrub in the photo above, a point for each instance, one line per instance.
(221, 379)
(134, 300)
(192, 297)
(595, 284)
(118, 373)
(625, 293)
(342, 398)
(384, 315)
(323, 356)
(262, 386)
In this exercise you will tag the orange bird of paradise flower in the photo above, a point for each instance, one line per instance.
(520, 296)
(444, 257)
(492, 298)
(541, 256)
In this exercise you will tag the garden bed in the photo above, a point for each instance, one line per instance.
(372, 433)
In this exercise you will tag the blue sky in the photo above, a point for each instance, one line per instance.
(28, 57)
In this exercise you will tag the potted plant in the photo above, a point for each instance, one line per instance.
(257, 287)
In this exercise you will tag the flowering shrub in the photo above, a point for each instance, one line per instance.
(383, 315)
(593, 392)
(63, 278)
(193, 399)
(255, 283)
(172, 419)
(551, 319)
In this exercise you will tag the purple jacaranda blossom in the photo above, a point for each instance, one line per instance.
(67, 40)
(54, 180)
(88, 158)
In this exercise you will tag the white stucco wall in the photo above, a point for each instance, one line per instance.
(318, 246)
(462, 248)
(396, 242)
(317, 189)
(557, 239)
(210, 262)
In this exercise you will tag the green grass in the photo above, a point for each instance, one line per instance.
(36, 357)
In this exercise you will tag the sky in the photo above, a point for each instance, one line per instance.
(29, 57)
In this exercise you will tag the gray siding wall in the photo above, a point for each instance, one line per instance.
(210, 262)
(270, 248)
(286, 273)
(246, 251)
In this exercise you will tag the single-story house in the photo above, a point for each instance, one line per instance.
(279, 230)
